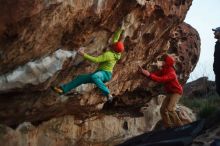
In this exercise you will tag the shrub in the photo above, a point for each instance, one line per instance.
(203, 107)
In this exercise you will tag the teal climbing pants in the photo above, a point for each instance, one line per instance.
(98, 78)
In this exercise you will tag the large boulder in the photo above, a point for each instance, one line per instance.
(38, 44)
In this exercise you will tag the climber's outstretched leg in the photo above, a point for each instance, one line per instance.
(81, 79)
(98, 78)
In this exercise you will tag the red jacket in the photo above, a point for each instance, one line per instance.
(168, 76)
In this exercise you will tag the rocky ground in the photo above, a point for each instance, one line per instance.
(211, 132)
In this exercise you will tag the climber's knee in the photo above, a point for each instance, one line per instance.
(94, 77)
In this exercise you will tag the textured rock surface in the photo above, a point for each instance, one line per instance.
(101, 130)
(37, 29)
(98, 131)
(38, 41)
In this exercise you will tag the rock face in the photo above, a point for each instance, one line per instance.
(98, 131)
(199, 88)
(101, 130)
(39, 40)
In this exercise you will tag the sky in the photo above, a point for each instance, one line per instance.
(204, 15)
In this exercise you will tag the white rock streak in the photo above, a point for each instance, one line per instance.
(35, 72)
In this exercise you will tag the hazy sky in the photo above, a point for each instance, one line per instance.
(204, 15)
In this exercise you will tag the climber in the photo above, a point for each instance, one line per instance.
(103, 74)
(168, 77)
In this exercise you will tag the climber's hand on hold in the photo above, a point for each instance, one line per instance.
(81, 51)
(143, 71)
(140, 68)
